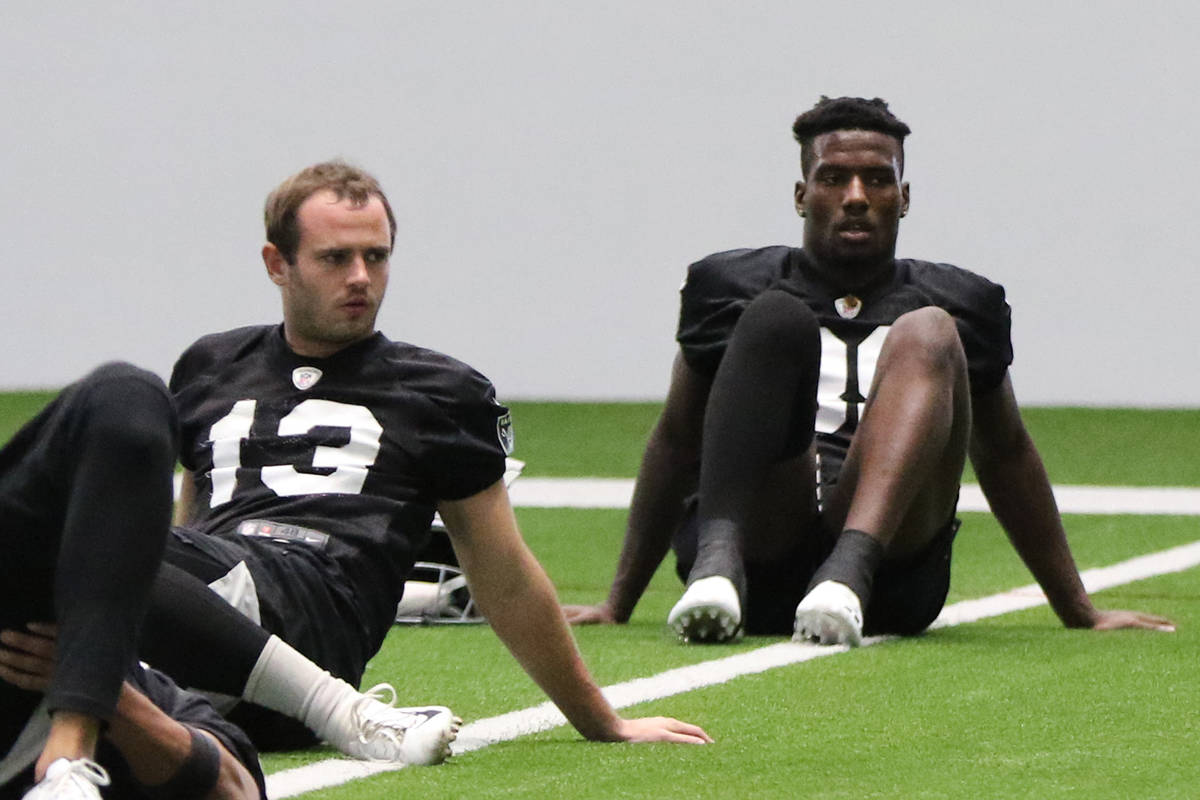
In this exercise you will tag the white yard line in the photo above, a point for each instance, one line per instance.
(545, 716)
(616, 492)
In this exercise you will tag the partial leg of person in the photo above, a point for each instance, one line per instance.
(200, 640)
(172, 743)
(757, 482)
(898, 488)
(86, 488)
(152, 745)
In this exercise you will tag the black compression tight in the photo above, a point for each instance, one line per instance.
(761, 410)
(112, 443)
(197, 638)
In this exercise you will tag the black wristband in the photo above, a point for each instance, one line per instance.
(196, 776)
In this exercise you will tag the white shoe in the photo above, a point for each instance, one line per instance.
(709, 611)
(70, 780)
(370, 727)
(830, 613)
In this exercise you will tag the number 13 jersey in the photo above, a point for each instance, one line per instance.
(350, 453)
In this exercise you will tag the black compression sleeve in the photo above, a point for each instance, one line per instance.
(116, 446)
(761, 410)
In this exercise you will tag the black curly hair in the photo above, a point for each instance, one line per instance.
(846, 113)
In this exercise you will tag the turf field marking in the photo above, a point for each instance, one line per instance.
(616, 492)
(477, 735)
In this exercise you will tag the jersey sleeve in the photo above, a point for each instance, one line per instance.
(716, 292)
(181, 371)
(469, 438)
(987, 340)
(984, 321)
(203, 354)
(192, 376)
(188, 366)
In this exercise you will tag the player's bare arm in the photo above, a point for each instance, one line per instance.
(515, 594)
(186, 500)
(1015, 482)
(156, 746)
(668, 473)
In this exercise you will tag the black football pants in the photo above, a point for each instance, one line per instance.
(85, 505)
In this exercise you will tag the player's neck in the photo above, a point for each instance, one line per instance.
(313, 348)
(852, 276)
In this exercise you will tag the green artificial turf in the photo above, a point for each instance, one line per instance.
(1133, 447)
(17, 407)
(1012, 706)
(594, 439)
(1097, 445)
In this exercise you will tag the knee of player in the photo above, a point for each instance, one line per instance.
(779, 319)
(930, 335)
(132, 407)
(124, 380)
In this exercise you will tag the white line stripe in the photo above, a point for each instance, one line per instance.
(616, 493)
(292, 782)
(1164, 562)
(1106, 499)
(571, 492)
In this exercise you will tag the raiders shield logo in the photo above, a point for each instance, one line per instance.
(504, 432)
(305, 377)
(848, 306)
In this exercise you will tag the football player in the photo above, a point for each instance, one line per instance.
(317, 452)
(806, 465)
(85, 499)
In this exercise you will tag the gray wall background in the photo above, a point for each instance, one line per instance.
(556, 165)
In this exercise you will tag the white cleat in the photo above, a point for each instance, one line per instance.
(830, 613)
(709, 611)
(372, 728)
(70, 780)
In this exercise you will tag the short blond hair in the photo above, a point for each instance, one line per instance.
(344, 180)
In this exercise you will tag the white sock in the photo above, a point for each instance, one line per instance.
(284, 680)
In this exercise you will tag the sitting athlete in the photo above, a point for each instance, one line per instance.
(85, 499)
(160, 742)
(317, 452)
(821, 408)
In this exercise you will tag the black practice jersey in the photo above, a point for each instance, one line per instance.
(357, 448)
(718, 289)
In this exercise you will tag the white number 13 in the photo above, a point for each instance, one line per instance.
(350, 461)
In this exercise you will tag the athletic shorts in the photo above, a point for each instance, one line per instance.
(299, 594)
(906, 597)
(302, 595)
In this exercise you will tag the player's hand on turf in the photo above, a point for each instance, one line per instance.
(599, 614)
(27, 657)
(662, 729)
(1118, 620)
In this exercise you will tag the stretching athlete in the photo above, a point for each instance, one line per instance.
(317, 452)
(85, 499)
(820, 412)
